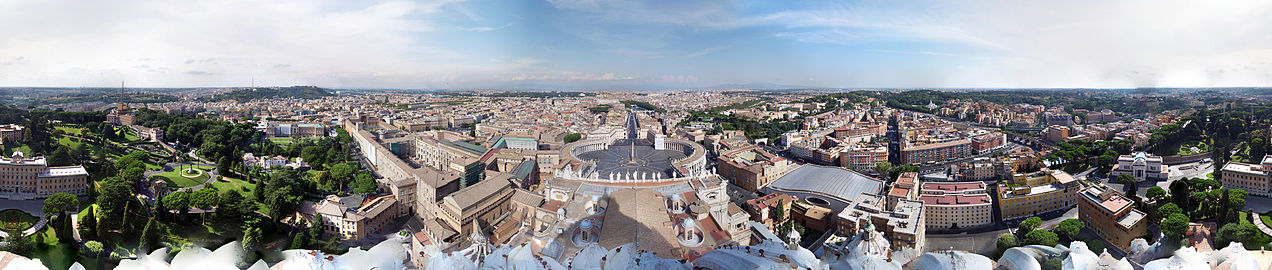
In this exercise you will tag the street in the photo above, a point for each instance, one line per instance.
(983, 242)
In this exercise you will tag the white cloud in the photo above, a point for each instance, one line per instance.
(76, 43)
(706, 51)
(1060, 44)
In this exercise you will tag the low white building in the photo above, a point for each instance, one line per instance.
(1142, 166)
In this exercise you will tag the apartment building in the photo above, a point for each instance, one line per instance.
(863, 158)
(1032, 194)
(1112, 216)
(936, 152)
(11, 133)
(1255, 179)
(751, 167)
(350, 217)
(956, 205)
(903, 225)
(24, 178)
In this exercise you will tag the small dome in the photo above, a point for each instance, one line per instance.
(586, 224)
(688, 224)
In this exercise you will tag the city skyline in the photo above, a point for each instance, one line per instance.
(636, 45)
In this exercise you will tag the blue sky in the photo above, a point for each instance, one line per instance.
(605, 44)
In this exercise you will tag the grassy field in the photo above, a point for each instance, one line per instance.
(16, 220)
(56, 255)
(242, 187)
(70, 130)
(1244, 217)
(176, 179)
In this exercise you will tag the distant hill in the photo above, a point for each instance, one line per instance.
(303, 92)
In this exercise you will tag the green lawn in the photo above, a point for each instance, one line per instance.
(175, 179)
(21, 147)
(242, 187)
(1244, 217)
(68, 141)
(70, 130)
(16, 220)
(56, 255)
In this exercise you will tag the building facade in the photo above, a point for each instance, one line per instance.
(1255, 179)
(24, 178)
(1037, 193)
(903, 225)
(936, 152)
(350, 217)
(956, 205)
(1142, 166)
(11, 133)
(751, 167)
(1112, 216)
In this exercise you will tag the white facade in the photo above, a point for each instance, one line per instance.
(1142, 166)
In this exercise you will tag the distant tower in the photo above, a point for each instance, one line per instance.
(121, 107)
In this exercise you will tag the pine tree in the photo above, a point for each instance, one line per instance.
(251, 239)
(149, 236)
(88, 225)
(298, 241)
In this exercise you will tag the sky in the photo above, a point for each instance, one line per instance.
(659, 44)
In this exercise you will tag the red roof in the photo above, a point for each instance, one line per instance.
(954, 199)
(954, 187)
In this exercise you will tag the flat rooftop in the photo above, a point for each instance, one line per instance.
(953, 187)
(955, 199)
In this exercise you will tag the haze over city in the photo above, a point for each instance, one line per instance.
(604, 44)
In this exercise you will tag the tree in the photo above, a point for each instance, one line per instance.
(282, 203)
(1095, 245)
(1041, 237)
(1234, 202)
(149, 236)
(204, 199)
(112, 202)
(364, 183)
(18, 243)
(315, 228)
(572, 137)
(1029, 225)
(298, 241)
(95, 248)
(1053, 264)
(884, 169)
(341, 174)
(88, 224)
(324, 178)
(251, 239)
(1180, 193)
(1156, 193)
(55, 207)
(1128, 183)
(223, 166)
(179, 200)
(1169, 208)
(1246, 233)
(232, 207)
(1006, 241)
(332, 245)
(1175, 225)
(1070, 228)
